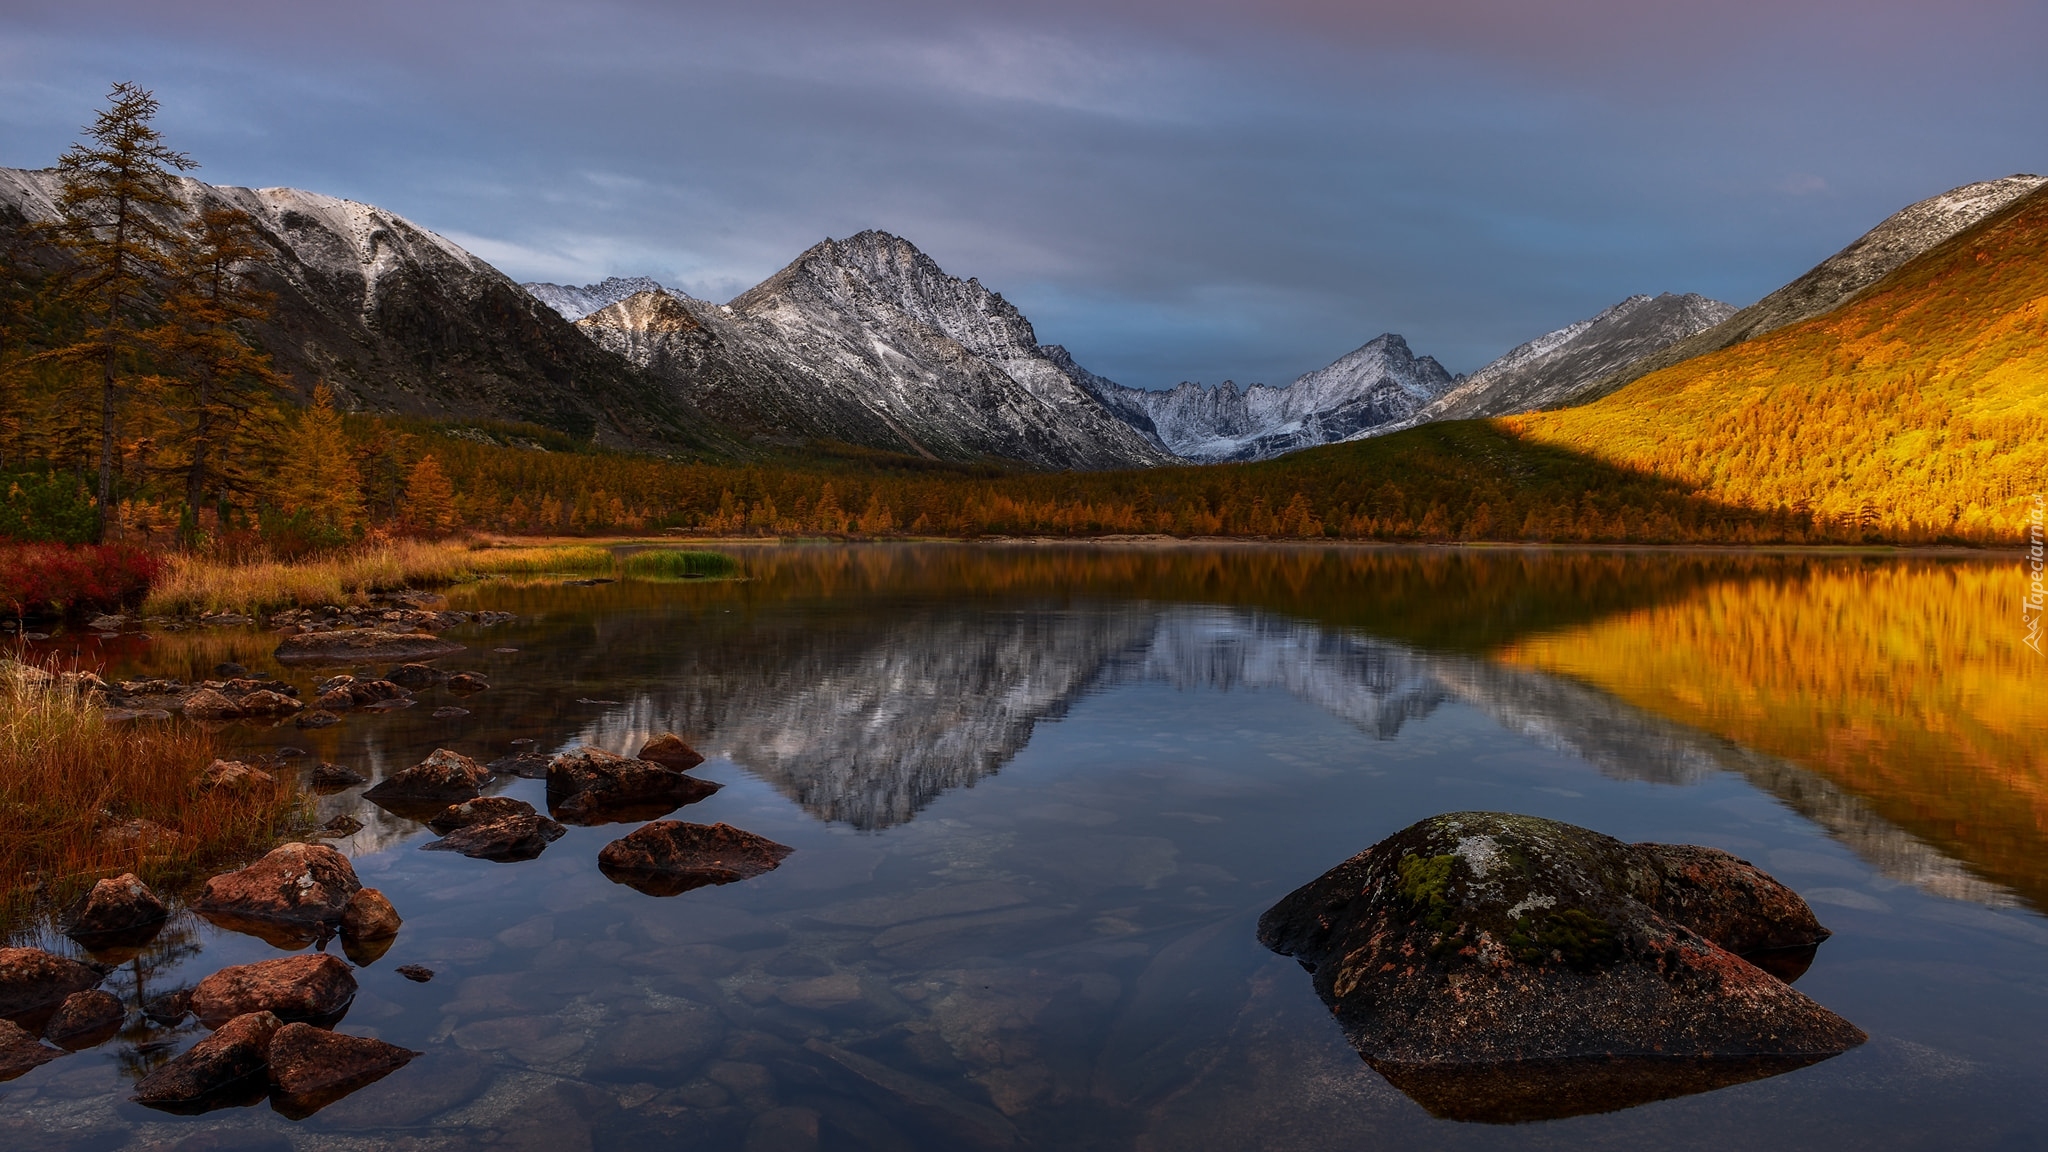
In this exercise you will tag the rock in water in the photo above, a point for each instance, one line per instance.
(416, 675)
(85, 1019)
(669, 857)
(505, 839)
(207, 704)
(32, 979)
(289, 895)
(311, 986)
(233, 776)
(369, 916)
(20, 1051)
(336, 776)
(668, 750)
(440, 779)
(592, 786)
(312, 1067)
(481, 810)
(1506, 968)
(223, 1070)
(118, 910)
(352, 645)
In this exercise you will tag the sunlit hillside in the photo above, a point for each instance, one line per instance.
(1907, 685)
(1919, 410)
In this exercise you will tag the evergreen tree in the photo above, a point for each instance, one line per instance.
(316, 482)
(430, 499)
(117, 209)
(219, 380)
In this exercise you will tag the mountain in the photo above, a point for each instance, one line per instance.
(575, 303)
(1376, 384)
(397, 319)
(867, 341)
(1837, 280)
(1551, 369)
(1916, 410)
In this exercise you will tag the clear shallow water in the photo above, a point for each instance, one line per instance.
(1039, 797)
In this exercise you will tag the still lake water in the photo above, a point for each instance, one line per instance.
(1039, 797)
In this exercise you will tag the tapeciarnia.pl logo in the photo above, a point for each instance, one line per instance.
(2037, 586)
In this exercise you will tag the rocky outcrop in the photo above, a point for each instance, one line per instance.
(223, 1070)
(311, 986)
(1504, 968)
(32, 979)
(494, 828)
(311, 1068)
(294, 892)
(442, 778)
(668, 750)
(592, 786)
(85, 1019)
(669, 857)
(353, 645)
(119, 910)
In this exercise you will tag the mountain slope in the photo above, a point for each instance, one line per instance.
(575, 303)
(1918, 410)
(397, 319)
(1550, 369)
(1837, 280)
(868, 341)
(1378, 383)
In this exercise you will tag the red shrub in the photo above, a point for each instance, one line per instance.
(58, 580)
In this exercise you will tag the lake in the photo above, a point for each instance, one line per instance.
(1040, 795)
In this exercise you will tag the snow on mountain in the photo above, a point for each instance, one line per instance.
(1837, 280)
(1550, 369)
(398, 319)
(575, 303)
(1382, 381)
(868, 341)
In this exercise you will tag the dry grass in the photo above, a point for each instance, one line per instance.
(68, 777)
(196, 584)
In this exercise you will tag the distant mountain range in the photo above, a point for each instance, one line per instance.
(867, 342)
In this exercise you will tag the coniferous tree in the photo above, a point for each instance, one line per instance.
(429, 499)
(219, 382)
(118, 208)
(316, 481)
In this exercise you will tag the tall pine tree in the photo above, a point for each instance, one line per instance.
(317, 482)
(120, 215)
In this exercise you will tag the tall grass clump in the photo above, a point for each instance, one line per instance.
(82, 798)
(677, 564)
(196, 584)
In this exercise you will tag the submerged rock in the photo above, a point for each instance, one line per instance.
(468, 682)
(592, 786)
(317, 718)
(311, 1067)
(32, 979)
(223, 1070)
(417, 973)
(337, 776)
(444, 777)
(21, 1052)
(349, 645)
(169, 1008)
(416, 676)
(500, 833)
(291, 895)
(1505, 968)
(369, 916)
(85, 1019)
(311, 986)
(118, 910)
(668, 750)
(669, 857)
(525, 764)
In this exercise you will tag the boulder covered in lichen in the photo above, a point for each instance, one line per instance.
(1501, 967)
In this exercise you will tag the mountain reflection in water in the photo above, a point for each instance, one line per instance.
(1039, 794)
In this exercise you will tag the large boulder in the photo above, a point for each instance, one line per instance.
(311, 1068)
(481, 810)
(369, 916)
(495, 828)
(292, 894)
(1506, 968)
(441, 779)
(20, 1051)
(85, 1019)
(669, 857)
(355, 645)
(119, 910)
(32, 980)
(222, 1070)
(310, 986)
(591, 786)
(668, 750)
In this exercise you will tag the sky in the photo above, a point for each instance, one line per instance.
(1197, 190)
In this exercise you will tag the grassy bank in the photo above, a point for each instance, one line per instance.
(73, 785)
(192, 585)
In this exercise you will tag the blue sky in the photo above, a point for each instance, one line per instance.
(1198, 190)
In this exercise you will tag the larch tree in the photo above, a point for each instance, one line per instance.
(316, 478)
(429, 499)
(218, 381)
(119, 217)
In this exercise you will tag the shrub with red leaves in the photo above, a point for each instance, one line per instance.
(40, 580)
